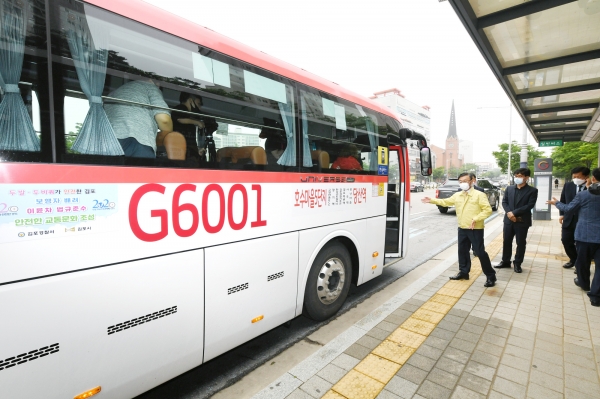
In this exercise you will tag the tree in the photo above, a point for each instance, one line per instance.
(71, 137)
(439, 173)
(492, 173)
(469, 167)
(515, 157)
(574, 154)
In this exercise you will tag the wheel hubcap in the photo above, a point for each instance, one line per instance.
(330, 281)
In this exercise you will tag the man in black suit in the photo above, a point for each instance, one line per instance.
(569, 220)
(518, 201)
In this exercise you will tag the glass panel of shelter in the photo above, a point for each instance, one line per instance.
(24, 132)
(232, 115)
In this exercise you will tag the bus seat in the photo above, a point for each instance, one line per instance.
(174, 144)
(321, 158)
(254, 154)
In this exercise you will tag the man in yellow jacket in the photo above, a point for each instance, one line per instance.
(472, 208)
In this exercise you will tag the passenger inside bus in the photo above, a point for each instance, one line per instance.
(275, 143)
(136, 125)
(348, 158)
(194, 128)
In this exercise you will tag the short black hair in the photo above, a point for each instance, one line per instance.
(581, 169)
(185, 95)
(472, 176)
(596, 174)
(522, 171)
(465, 174)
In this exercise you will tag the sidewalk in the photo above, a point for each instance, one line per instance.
(533, 335)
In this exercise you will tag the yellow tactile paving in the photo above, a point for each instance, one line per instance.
(419, 326)
(393, 351)
(407, 338)
(443, 299)
(378, 368)
(371, 375)
(457, 293)
(355, 385)
(333, 395)
(428, 315)
(437, 306)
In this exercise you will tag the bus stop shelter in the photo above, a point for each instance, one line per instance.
(546, 56)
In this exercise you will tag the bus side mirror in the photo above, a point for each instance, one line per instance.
(426, 161)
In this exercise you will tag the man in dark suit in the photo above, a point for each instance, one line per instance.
(475, 186)
(587, 234)
(518, 201)
(569, 220)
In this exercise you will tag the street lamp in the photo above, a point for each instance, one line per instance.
(508, 171)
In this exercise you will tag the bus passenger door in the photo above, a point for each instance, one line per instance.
(395, 207)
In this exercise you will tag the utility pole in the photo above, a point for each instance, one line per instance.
(524, 147)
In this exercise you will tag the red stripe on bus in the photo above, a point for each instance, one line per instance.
(167, 22)
(19, 173)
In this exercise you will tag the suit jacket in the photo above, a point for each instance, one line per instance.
(479, 189)
(566, 196)
(587, 206)
(521, 209)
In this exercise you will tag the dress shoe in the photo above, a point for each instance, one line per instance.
(579, 285)
(568, 265)
(502, 265)
(460, 276)
(489, 283)
(595, 302)
(518, 269)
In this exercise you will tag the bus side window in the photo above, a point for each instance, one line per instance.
(342, 137)
(126, 86)
(24, 136)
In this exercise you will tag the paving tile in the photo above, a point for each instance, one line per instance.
(497, 395)
(369, 342)
(345, 361)
(299, 394)
(463, 345)
(493, 339)
(385, 394)
(498, 330)
(316, 386)
(450, 365)
(332, 373)
(467, 336)
(474, 383)
(489, 348)
(485, 358)
(403, 313)
(430, 352)
(459, 313)
(436, 342)
(464, 393)
(547, 367)
(521, 342)
(516, 362)
(573, 394)
(448, 325)
(581, 372)
(536, 391)
(518, 352)
(431, 390)
(402, 387)
(509, 388)
(443, 377)
(512, 374)
(422, 362)
(480, 370)
(552, 382)
(581, 385)
(378, 333)
(412, 374)
(387, 326)
(357, 351)
(395, 320)
(578, 350)
(548, 356)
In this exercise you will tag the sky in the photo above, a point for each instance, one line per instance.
(417, 46)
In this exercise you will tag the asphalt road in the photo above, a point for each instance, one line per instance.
(430, 233)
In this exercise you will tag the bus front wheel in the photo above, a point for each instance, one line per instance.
(328, 282)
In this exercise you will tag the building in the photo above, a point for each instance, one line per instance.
(412, 116)
(483, 167)
(451, 156)
(466, 149)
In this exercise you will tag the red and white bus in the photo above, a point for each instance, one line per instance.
(120, 272)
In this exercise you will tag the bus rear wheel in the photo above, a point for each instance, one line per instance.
(328, 282)
(443, 209)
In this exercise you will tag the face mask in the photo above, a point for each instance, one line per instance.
(578, 182)
(465, 186)
(518, 180)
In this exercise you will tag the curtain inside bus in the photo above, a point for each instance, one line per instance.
(306, 156)
(16, 128)
(90, 56)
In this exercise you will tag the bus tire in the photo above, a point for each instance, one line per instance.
(328, 282)
(443, 209)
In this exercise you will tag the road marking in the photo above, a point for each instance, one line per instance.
(416, 234)
(414, 214)
(368, 378)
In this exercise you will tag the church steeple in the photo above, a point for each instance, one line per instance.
(452, 127)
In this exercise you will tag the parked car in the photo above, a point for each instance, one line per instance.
(416, 187)
(451, 186)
